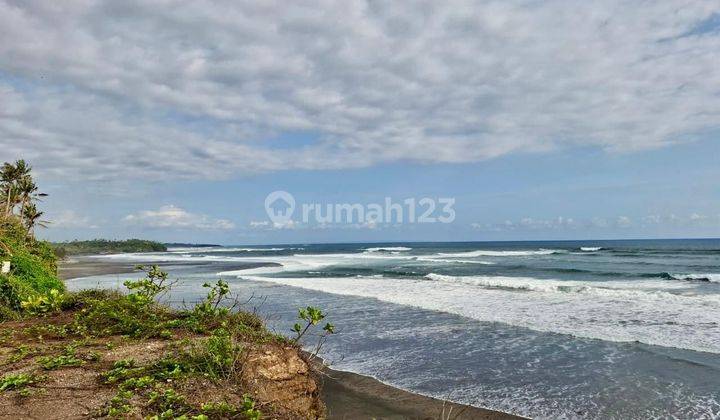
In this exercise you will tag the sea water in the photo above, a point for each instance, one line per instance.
(592, 329)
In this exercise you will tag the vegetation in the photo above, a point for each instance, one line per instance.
(104, 246)
(212, 342)
(208, 346)
(15, 381)
(68, 358)
(19, 194)
(312, 316)
(33, 266)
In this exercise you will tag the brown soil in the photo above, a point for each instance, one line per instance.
(275, 376)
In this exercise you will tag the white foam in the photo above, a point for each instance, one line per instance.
(250, 249)
(590, 248)
(487, 253)
(453, 260)
(388, 249)
(653, 290)
(617, 313)
(168, 257)
(224, 249)
(712, 277)
(192, 248)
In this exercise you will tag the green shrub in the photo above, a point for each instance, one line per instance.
(7, 314)
(67, 358)
(12, 233)
(216, 357)
(167, 400)
(249, 410)
(83, 298)
(122, 316)
(136, 314)
(15, 381)
(39, 304)
(13, 291)
(311, 316)
(35, 273)
(210, 307)
(33, 267)
(63, 360)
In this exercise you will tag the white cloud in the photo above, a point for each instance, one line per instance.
(693, 219)
(623, 222)
(174, 217)
(69, 219)
(266, 225)
(199, 89)
(653, 220)
(290, 224)
(528, 223)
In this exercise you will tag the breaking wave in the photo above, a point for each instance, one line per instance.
(486, 253)
(388, 249)
(709, 277)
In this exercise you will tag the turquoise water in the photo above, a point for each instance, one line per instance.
(592, 329)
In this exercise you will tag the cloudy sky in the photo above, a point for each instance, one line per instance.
(543, 119)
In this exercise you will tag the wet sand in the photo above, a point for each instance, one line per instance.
(75, 267)
(348, 395)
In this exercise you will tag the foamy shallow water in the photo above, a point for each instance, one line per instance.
(548, 330)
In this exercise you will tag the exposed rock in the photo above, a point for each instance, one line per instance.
(278, 375)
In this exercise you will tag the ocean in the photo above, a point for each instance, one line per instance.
(590, 329)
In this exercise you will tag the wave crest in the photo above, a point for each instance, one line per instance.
(530, 284)
(487, 253)
(708, 277)
(388, 249)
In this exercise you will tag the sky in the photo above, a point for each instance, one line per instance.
(174, 120)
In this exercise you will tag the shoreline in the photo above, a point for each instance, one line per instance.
(347, 395)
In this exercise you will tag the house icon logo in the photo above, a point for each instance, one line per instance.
(279, 206)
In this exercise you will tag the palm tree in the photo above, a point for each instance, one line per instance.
(32, 217)
(18, 186)
(26, 192)
(12, 176)
(7, 175)
(19, 190)
(22, 174)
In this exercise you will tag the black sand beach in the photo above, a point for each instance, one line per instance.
(347, 395)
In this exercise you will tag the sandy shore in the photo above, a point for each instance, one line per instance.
(347, 395)
(82, 267)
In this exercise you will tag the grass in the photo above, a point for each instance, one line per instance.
(215, 358)
(206, 344)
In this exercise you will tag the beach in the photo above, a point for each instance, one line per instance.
(580, 329)
(346, 395)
